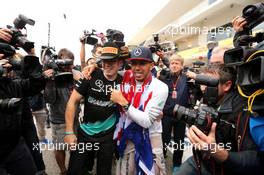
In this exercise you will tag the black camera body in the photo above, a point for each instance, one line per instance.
(116, 37)
(254, 15)
(249, 60)
(25, 64)
(51, 60)
(19, 39)
(195, 68)
(88, 37)
(203, 117)
(156, 46)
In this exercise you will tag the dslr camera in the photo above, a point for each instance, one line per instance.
(156, 46)
(204, 114)
(202, 117)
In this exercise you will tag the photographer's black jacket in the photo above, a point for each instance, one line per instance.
(243, 160)
(182, 93)
(11, 120)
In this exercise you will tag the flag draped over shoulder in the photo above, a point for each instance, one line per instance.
(129, 130)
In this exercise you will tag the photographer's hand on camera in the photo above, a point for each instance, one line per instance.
(238, 25)
(5, 34)
(191, 74)
(207, 143)
(48, 73)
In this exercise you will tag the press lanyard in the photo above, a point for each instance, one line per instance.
(174, 85)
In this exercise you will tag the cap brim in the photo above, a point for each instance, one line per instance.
(107, 57)
(140, 59)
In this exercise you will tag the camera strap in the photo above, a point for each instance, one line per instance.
(242, 123)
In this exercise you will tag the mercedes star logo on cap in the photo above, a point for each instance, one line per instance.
(137, 52)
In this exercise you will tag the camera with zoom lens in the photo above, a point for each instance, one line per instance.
(50, 60)
(195, 68)
(203, 117)
(19, 39)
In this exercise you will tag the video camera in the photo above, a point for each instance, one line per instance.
(116, 37)
(249, 60)
(156, 46)
(88, 37)
(50, 60)
(24, 65)
(202, 117)
(19, 39)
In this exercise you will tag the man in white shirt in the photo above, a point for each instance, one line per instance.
(138, 133)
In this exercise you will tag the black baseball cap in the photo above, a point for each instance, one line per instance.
(110, 51)
(141, 53)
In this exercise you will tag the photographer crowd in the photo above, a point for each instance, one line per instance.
(128, 109)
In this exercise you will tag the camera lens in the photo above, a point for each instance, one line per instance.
(249, 11)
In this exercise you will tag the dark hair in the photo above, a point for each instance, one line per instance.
(95, 47)
(225, 73)
(65, 53)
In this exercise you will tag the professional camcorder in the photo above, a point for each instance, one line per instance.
(19, 39)
(203, 117)
(26, 64)
(115, 36)
(51, 60)
(88, 37)
(249, 59)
